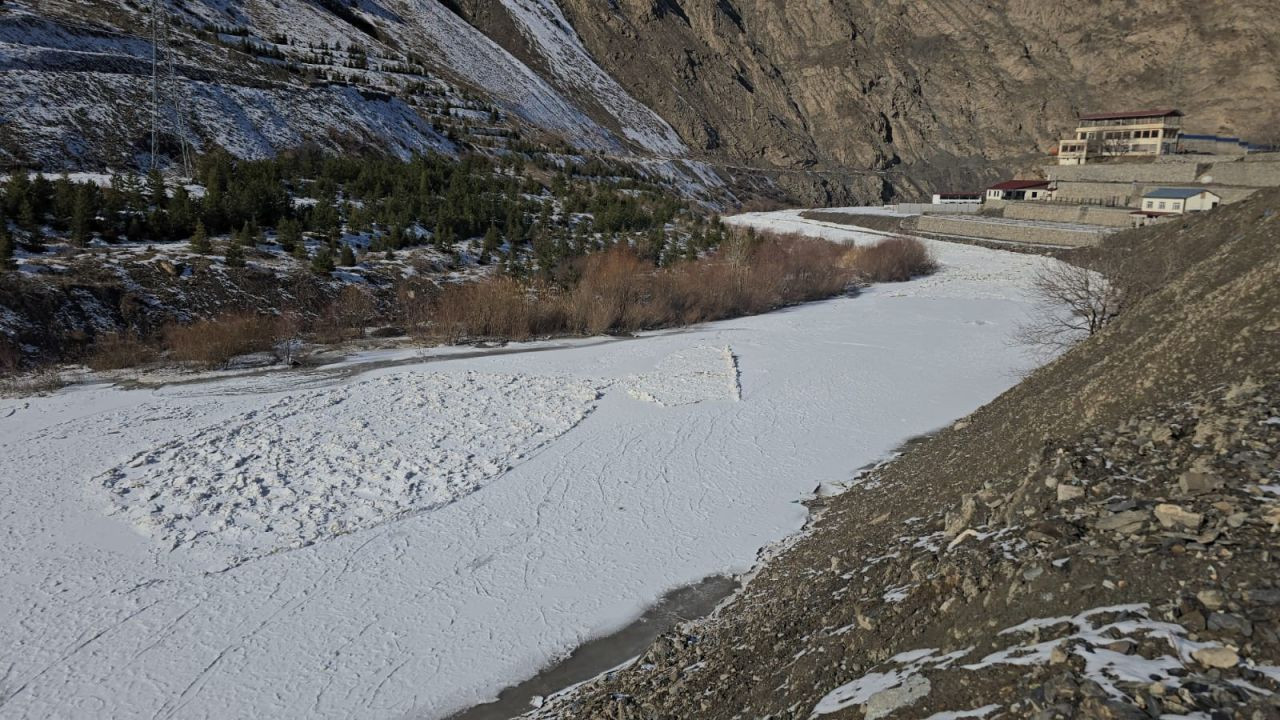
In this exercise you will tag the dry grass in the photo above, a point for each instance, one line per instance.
(37, 382)
(115, 351)
(214, 342)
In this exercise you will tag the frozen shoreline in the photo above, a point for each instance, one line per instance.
(674, 474)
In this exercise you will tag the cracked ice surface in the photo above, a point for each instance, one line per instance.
(553, 533)
(327, 462)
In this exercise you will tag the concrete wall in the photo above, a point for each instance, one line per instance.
(1009, 232)
(926, 208)
(1252, 174)
(1114, 193)
(1081, 214)
(1214, 147)
(1123, 172)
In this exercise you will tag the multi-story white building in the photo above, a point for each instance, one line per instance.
(1141, 133)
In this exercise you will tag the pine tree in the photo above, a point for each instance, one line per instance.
(300, 251)
(347, 257)
(200, 240)
(156, 190)
(322, 262)
(234, 256)
(64, 193)
(82, 216)
(181, 211)
(288, 234)
(6, 247)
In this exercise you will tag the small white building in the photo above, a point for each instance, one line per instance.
(1177, 201)
(1019, 190)
(957, 198)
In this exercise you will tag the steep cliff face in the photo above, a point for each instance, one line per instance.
(936, 94)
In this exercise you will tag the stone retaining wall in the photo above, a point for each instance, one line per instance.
(1008, 232)
(1251, 174)
(1082, 214)
(930, 208)
(1124, 172)
(1119, 194)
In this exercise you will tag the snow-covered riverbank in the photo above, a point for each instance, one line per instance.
(409, 540)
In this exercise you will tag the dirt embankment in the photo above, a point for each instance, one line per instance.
(1100, 541)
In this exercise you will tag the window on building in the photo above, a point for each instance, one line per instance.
(1151, 204)
(1162, 205)
(1177, 204)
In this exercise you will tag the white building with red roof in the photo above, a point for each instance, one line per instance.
(1019, 190)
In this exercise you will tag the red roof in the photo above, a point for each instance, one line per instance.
(1161, 112)
(1021, 185)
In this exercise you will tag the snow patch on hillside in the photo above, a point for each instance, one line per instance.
(487, 65)
(545, 26)
(324, 463)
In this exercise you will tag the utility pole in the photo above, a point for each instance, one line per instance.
(166, 90)
(155, 84)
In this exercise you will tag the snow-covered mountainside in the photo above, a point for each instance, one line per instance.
(829, 103)
(256, 78)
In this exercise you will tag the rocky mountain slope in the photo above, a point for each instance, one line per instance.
(935, 93)
(831, 102)
(1100, 541)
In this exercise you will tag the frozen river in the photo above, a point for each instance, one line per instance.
(407, 540)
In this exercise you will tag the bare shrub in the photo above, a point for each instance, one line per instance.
(618, 291)
(10, 357)
(116, 351)
(288, 340)
(347, 316)
(494, 307)
(610, 284)
(414, 303)
(214, 342)
(895, 259)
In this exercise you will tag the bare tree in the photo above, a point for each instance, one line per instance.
(1074, 302)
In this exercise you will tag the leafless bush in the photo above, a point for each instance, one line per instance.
(347, 316)
(895, 259)
(611, 282)
(10, 357)
(495, 307)
(115, 351)
(618, 291)
(214, 342)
